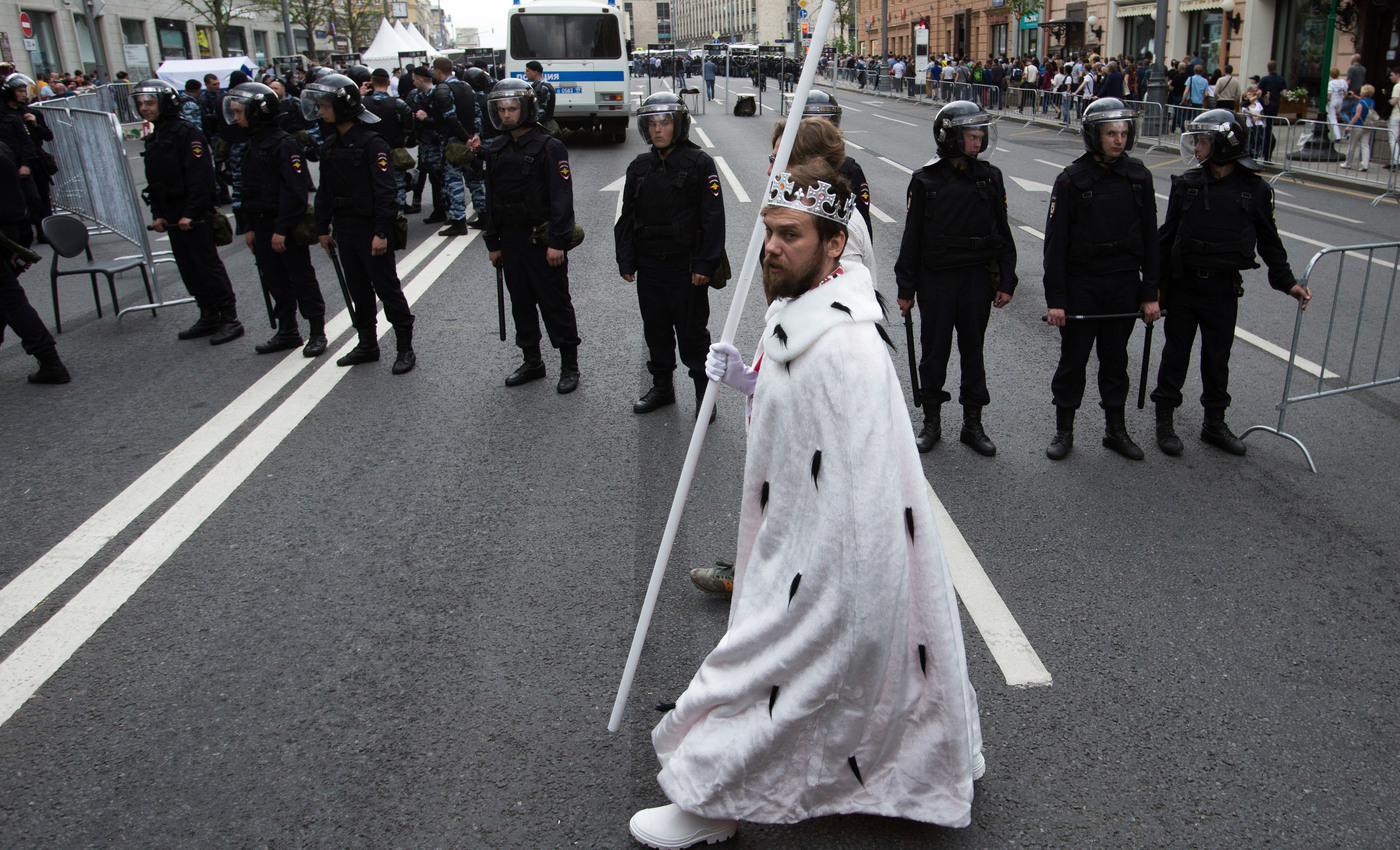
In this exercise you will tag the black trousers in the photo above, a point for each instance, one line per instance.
(537, 290)
(288, 276)
(961, 300)
(674, 314)
(44, 208)
(367, 276)
(1212, 306)
(197, 258)
(1089, 296)
(15, 309)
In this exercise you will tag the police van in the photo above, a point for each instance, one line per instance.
(582, 45)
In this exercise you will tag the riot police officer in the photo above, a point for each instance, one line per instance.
(529, 226)
(180, 191)
(544, 96)
(1219, 214)
(429, 146)
(958, 258)
(481, 83)
(19, 88)
(357, 196)
(822, 104)
(452, 113)
(1100, 259)
(395, 125)
(274, 187)
(670, 240)
(15, 309)
(15, 134)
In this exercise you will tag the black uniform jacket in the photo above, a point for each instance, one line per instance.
(1109, 219)
(275, 172)
(357, 182)
(699, 206)
(526, 194)
(1257, 210)
(910, 269)
(179, 171)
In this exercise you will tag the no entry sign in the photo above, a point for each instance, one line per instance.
(25, 26)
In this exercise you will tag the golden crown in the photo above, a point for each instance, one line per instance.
(820, 200)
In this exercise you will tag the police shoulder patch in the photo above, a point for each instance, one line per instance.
(382, 160)
(196, 149)
(296, 163)
(713, 183)
(564, 169)
(865, 193)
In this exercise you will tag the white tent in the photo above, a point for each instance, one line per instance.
(177, 71)
(412, 36)
(386, 47)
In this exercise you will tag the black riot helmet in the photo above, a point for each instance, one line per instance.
(359, 73)
(254, 100)
(1107, 110)
(343, 95)
(822, 104)
(517, 92)
(164, 94)
(12, 86)
(954, 123)
(478, 79)
(1217, 136)
(670, 105)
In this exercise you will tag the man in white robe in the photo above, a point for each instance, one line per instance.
(841, 685)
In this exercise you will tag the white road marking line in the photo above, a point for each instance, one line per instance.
(1031, 185)
(878, 213)
(1049, 163)
(53, 643)
(1002, 150)
(29, 589)
(1257, 341)
(733, 181)
(852, 109)
(1282, 353)
(616, 186)
(895, 120)
(704, 138)
(1013, 652)
(873, 103)
(889, 161)
(851, 144)
(1277, 202)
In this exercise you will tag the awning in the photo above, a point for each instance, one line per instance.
(1201, 5)
(1136, 9)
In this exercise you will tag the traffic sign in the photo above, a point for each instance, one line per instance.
(716, 35)
(25, 26)
(801, 13)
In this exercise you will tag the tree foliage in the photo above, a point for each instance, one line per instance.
(310, 15)
(357, 20)
(1022, 8)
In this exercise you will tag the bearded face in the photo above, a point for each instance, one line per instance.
(796, 256)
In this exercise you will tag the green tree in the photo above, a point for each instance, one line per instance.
(310, 15)
(1022, 8)
(356, 20)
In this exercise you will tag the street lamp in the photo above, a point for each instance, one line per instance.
(1093, 25)
(1232, 18)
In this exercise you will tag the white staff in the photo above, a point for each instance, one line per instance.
(702, 419)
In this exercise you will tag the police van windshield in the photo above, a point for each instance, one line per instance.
(535, 36)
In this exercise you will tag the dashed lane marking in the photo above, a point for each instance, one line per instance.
(1049, 163)
(895, 120)
(733, 181)
(880, 214)
(852, 109)
(1279, 203)
(704, 138)
(1257, 341)
(616, 186)
(889, 161)
(851, 144)
(53, 643)
(1009, 645)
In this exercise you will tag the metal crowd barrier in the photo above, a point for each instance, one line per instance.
(114, 98)
(94, 182)
(1362, 306)
(1312, 150)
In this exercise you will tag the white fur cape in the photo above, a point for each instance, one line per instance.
(841, 684)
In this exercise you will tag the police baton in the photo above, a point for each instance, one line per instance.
(913, 361)
(267, 299)
(344, 289)
(501, 299)
(1146, 356)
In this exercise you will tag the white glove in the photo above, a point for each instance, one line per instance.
(725, 364)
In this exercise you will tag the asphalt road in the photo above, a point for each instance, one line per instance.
(261, 601)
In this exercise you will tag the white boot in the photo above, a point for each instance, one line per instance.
(669, 828)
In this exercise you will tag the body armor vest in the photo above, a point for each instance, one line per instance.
(165, 163)
(1106, 229)
(344, 173)
(666, 216)
(388, 111)
(1216, 228)
(520, 190)
(260, 192)
(960, 222)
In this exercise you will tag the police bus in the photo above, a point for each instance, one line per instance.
(582, 45)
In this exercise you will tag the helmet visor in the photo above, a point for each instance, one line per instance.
(505, 112)
(976, 139)
(1197, 146)
(310, 98)
(235, 107)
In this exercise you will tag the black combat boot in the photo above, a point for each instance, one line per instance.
(205, 325)
(438, 215)
(365, 351)
(1115, 434)
(406, 359)
(1167, 440)
(701, 384)
(229, 327)
(1064, 434)
(51, 369)
(315, 338)
(455, 227)
(568, 370)
(532, 369)
(287, 336)
(661, 394)
(475, 221)
(972, 433)
(932, 431)
(1218, 434)
(417, 205)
